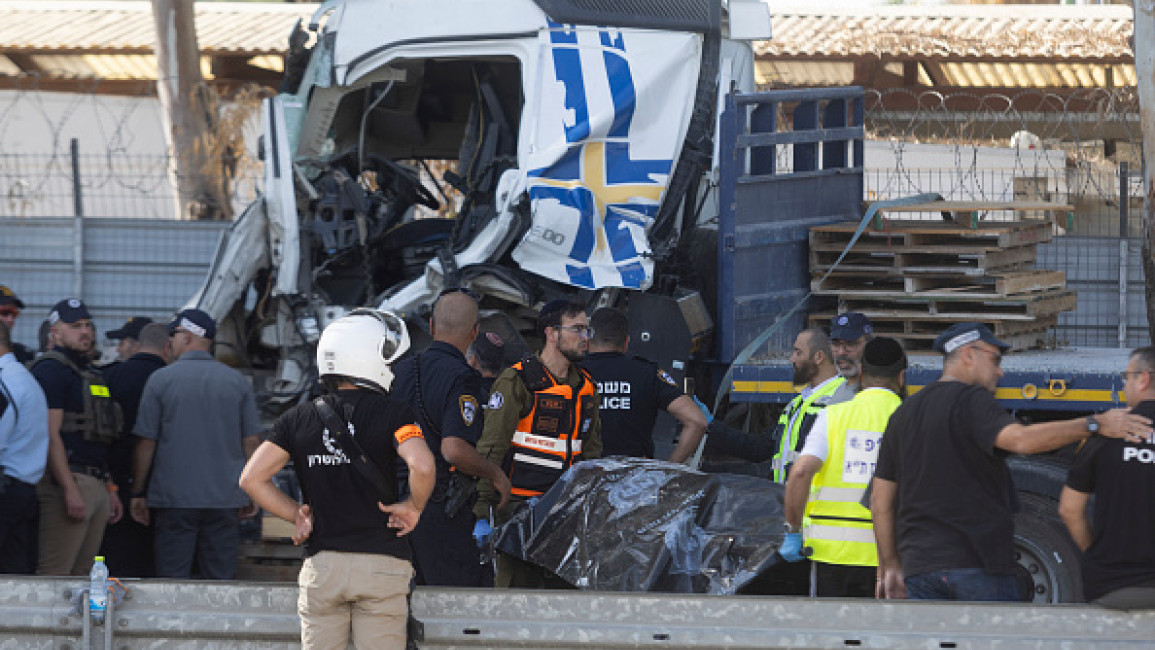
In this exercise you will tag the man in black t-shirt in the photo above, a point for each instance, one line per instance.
(1118, 551)
(942, 462)
(355, 579)
(632, 390)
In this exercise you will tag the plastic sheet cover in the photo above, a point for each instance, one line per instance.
(629, 524)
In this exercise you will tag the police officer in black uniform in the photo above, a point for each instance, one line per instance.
(77, 497)
(128, 546)
(442, 391)
(631, 390)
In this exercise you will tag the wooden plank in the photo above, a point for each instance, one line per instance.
(982, 206)
(936, 233)
(963, 308)
(904, 262)
(887, 286)
(930, 329)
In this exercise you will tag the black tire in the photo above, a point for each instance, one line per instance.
(1048, 561)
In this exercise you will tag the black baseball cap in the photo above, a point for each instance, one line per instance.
(960, 334)
(8, 297)
(850, 326)
(194, 321)
(131, 328)
(490, 349)
(68, 310)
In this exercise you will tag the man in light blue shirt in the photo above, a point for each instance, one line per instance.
(23, 456)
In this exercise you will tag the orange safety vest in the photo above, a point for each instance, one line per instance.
(548, 439)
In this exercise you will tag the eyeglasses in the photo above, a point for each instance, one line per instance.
(996, 357)
(584, 331)
(1126, 374)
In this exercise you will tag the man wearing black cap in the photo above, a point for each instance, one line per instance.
(849, 333)
(198, 424)
(127, 545)
(542, 419)
(77, 497)
(442, 390)
(826, 483)
(487, 356)
(942, 461)
(10, 307)
(128, 336)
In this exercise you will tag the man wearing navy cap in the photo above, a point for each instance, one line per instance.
(128, 336)
(77, 497)
(849, 334)
(198, 424)
(942, 461)
(10, 307)
(542, 419)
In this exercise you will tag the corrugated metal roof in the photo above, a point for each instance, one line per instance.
(955, 32)
(127, 27)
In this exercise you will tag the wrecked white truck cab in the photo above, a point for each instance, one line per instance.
(583, 138)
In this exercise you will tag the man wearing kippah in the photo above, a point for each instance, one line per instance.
(826, 483)
(942, 494)
(197, 424)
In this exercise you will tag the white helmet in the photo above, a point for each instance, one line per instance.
(361, 346)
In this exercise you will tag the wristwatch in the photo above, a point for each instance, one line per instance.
(1092, 425)
(788, 529)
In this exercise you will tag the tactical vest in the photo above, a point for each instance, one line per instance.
(838, 528)
(548, 439)
(798, 416)
(101, 420)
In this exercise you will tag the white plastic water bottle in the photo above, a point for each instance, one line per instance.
(98, 589)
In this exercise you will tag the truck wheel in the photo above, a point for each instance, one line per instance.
(1048, 561)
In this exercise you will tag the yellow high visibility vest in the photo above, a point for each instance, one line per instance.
(801, 410)
(838, 528)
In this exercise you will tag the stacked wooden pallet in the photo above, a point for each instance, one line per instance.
(913, 279)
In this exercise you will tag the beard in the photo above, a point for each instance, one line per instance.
(804, 371)
(574, 354)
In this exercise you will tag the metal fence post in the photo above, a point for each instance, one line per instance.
(1124, 232)
(77, 224)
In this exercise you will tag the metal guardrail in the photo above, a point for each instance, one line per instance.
(39, 613)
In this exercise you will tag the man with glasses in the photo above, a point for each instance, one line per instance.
(10, 307)
(1118, 555)
(541, 419)
(442, 390)
(198, 424)
(942, 496)
(849, 334)
(77, 495)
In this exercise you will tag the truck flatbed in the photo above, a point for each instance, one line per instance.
(1069, 379)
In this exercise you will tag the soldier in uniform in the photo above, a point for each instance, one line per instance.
(77, 495)
(541, 419)
(442, 390)
(632, 390)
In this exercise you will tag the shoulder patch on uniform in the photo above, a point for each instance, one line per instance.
(468, 404)
(496, 400)
(665, 376)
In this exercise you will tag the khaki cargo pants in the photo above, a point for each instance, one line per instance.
(358, 597)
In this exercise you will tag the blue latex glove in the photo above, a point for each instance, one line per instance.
(791, 549)
(481, 532)
(705, 411)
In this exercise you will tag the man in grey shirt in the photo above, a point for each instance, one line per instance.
(197, 424)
